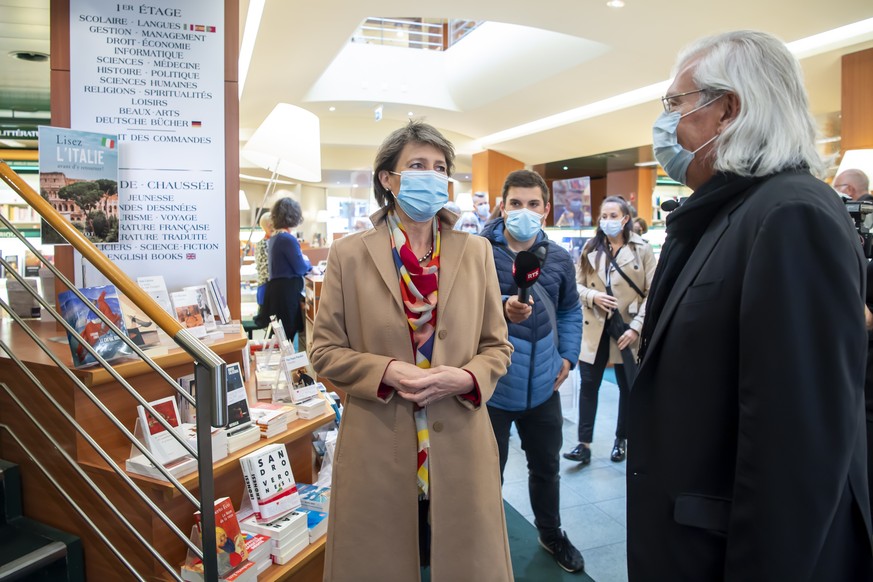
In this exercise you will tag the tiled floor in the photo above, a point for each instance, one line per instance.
(592, 497)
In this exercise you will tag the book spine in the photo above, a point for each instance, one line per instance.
(249, 478)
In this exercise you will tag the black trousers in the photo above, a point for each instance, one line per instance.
(541, 438)
(591, 377)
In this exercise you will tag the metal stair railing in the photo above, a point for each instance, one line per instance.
(210, 399)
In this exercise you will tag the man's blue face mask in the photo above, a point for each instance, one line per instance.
(673, 157)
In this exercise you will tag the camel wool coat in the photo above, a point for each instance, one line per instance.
(637, 261)
(359, 329)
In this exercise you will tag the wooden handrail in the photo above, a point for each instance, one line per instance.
(122, 282)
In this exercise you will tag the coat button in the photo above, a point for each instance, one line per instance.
(442, 334)
(586, 323)
(437, 426)
(636, 267)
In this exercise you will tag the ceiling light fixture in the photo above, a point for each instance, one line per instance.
(29, 56)
(410, 113)
(806, 47)
(248, 178)
(331, 108)
(615, 3)
(566, 168)
(247, 47)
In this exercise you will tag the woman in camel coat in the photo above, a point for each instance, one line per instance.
(381, 526)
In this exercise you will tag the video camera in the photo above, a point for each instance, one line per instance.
(862, 215)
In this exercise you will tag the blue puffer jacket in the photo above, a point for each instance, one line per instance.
(537, 359)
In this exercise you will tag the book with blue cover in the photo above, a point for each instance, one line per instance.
(92, 329)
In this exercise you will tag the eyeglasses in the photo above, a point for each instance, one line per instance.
(670, 101)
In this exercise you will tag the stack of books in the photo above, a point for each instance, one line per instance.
(242, 437)
(289, 534)
(314, 497)
(219, 439)
(246, 572)
(140, 465)
(316, 523)
(259, 547)
(269, 482)
(312, 408)
(272, 418)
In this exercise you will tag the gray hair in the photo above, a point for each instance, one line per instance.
(774, 129)
(417, 132)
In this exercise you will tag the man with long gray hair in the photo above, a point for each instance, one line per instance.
(747, 416)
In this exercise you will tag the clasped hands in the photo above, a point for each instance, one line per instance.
(425, 386)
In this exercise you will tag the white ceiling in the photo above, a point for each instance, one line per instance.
(299, 40)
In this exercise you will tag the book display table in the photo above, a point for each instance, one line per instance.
(44, 503)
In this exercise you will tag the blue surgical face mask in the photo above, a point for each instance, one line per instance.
(483, 210)
(575, 205)
(611, 227)
(422, 193)
(673, 157)
(523, 224)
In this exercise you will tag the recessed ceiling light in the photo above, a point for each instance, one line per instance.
(331, 108)
(410, 113)
(615, 3)
(29, 56)
(566, 168)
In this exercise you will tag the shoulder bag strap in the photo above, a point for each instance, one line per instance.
(625, 277)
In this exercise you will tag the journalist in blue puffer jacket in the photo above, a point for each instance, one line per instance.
(546, 336)
(538, 356)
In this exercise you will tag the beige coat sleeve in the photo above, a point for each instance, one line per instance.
(647, 257)
(495, 350)
(356, 373)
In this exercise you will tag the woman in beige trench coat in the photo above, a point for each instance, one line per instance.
(362, 343)
(634, 257)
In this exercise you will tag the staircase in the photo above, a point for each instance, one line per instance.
(29, 550)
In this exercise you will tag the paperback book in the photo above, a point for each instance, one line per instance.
(229, 540)
(269, 482)
(161, 443)
(187, 312)
(92, 329)
(156, 287)
(207, 307)
(237, 403)
(222, 310)
(280, 529)
(140, 328)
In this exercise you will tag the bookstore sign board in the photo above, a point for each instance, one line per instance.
(153, 73)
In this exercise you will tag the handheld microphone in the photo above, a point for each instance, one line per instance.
(525, 272)
(670, 205)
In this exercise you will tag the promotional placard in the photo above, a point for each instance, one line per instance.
(154, 75)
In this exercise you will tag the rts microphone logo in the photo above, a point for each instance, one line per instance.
(533, 275)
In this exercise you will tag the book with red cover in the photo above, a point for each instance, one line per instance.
(229, 540)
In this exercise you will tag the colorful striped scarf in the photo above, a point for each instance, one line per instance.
(418, 288)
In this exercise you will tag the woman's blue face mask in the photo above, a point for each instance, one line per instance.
(422, 193)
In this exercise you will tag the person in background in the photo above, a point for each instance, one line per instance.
(747, 414)
(640, 226)
(613, 276)
(410, 327)
(546, 333)
(468, 222)
(287, 266)
(853, 183)
(481, 208)
(261, 257)
(453, 207)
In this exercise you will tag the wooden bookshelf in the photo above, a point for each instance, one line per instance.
(42, 501)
